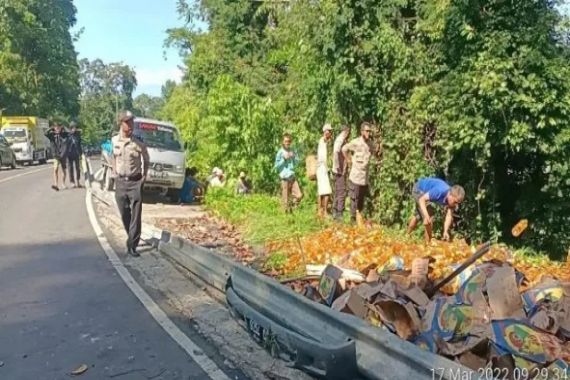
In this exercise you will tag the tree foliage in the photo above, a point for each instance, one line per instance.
(39, 74)
(475, 91)
(146, 105)
(167, 88)
(105, 90)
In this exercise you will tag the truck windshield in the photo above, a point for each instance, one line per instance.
(158, 136)
(15, 135)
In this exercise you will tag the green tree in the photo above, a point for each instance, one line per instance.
(167, 89)
(475, 91)
(39, 74)
(147, 106)
(105, 90)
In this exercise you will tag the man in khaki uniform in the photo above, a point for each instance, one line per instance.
(361, 149)
(130, 166)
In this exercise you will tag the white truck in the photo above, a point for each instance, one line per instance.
(26, 136)
(167, 156)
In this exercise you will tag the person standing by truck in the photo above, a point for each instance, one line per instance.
(58, 139)
(130, 166)
(74, 152)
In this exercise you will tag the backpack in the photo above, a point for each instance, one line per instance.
(311, 166)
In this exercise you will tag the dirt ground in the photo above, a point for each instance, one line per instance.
(208, 317)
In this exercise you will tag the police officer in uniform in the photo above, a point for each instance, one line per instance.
(130, 165)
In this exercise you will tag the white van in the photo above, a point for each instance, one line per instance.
(167, 156)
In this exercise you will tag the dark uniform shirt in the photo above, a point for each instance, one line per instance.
(74, 145)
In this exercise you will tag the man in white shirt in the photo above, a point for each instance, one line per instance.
(323, 181)
(217, 179)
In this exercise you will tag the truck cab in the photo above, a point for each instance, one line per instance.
(26, 138)
(167, 156)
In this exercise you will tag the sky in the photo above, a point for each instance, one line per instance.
(131, 31)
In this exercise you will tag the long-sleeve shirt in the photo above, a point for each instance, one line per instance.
(58, 143)
(339, 165)
(361, 153)
(75, 149)
(187, 191)
(285, 166)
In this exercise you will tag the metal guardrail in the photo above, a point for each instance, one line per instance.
(312, 336)
(331, 355)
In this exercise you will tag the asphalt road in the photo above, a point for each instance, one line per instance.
(61, 302)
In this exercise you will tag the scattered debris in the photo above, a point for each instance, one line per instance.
(486, 322)
(80, 370)
(128, 372)
(211, 233)
(498, 313)
(375, 247)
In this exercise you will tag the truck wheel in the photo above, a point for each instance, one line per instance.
(173, 194)
(13, 163)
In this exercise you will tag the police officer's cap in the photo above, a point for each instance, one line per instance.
(125, 116)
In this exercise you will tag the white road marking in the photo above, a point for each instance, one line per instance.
(23, 174)
(211, 369)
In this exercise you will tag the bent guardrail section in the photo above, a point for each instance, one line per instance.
(312, 336)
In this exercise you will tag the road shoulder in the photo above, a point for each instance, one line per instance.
(189, 305)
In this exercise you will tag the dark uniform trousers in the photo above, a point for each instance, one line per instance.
(339, 193)
(357, 195)
(128, 194)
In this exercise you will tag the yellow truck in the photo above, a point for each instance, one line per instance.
(26, 136)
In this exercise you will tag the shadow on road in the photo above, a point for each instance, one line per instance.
(63, 305)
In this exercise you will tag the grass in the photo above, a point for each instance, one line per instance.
(261, 218)
(275, 261)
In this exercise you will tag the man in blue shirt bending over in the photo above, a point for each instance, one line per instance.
(437, 191)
